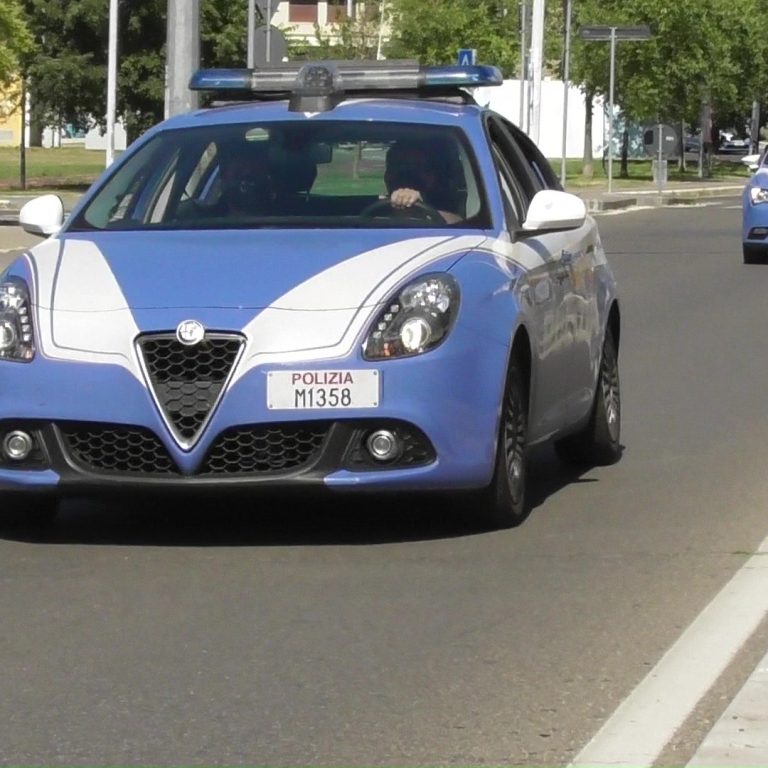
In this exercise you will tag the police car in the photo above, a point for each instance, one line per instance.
(754, 206)
(336, 275)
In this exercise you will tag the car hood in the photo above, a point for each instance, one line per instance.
(299, 295)
(297, 269)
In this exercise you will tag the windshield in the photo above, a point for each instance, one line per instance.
(293, 174)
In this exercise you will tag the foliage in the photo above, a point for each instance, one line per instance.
(433, 31)
(68, 68)
(349, 38)
(700, 50)
(15, 40)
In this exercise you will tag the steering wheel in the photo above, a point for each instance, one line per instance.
(419, 211)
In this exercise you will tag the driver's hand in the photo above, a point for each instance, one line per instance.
(405, 197)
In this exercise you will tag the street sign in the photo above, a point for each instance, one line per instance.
(602, 32)
(268, 39)
(661, 140)
(467, 57)
(614, 34)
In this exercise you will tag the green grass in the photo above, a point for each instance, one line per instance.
(640, 173)
(65, 167)
(74, 167)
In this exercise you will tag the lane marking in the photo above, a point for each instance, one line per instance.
(648, 718)
(740, 737)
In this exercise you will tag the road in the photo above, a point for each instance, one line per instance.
(395, 633)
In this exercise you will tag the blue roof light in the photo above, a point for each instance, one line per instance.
(344, 76)
(462, 77)
(318, 86)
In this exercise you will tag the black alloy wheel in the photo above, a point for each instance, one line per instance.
(599, 443)
(503, 502)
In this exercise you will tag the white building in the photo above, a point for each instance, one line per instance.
(505, 99)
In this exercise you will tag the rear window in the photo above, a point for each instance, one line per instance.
(292, 174)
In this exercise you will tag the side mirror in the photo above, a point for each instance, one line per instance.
(553, 210)
(43, 215)
(753, 167)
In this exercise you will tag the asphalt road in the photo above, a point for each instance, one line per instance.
(395, 632)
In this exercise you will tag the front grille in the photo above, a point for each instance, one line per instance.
(187, 381)
(266, 448)
(108, 448)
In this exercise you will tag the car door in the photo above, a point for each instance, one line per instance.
(579, 252)
(542, 291)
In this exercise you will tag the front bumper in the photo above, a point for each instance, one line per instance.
(754, 225)
(97, 429)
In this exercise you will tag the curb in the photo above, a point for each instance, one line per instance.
(652, 197)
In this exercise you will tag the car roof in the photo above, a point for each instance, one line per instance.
(424, 111)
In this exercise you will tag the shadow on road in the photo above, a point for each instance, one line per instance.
(286, 520)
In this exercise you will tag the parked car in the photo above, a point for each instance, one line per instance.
(754, 220)
(692, 143)
(353, 279)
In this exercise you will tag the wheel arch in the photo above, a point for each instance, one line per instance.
(520, 353)
(614, 323)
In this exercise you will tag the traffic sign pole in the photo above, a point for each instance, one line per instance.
(613, 34)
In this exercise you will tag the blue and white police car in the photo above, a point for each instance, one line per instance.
(754, 206)
(337, 275)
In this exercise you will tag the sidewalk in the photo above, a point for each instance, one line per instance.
(673, 193)
(596, 198)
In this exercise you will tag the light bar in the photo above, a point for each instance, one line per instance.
(472, 76)
(325, 78)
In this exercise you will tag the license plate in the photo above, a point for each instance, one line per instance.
(320, 390)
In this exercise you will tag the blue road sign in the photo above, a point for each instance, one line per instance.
(467, 57)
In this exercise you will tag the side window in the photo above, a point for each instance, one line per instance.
(525, 180)
(511, 197)
(533, 157)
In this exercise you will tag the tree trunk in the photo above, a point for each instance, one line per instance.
(624, 173)
(681, 148)
(588, 167)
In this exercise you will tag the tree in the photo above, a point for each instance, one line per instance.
(356, 37)
(68, 66)
(14, 40)
(433, 31)
(698, 48)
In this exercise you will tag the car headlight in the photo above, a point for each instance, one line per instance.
(16, 337)
(416, 321)
(758, 195)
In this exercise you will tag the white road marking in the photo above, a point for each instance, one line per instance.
(648, 718)
(740, 736)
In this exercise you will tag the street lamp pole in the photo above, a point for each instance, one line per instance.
(111, 83)
(610, 108)
(251, 55)
(537, 57)
(523, 61)
(566, 77)
(182, 55)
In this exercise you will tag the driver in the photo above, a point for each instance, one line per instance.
(246, 181)
(412, 177)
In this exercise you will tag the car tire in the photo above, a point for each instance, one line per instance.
(504, 502)
(755, 254)
(599, 443)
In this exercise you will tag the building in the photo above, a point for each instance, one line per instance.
(10, 118)
(298, 18)
(505, 99)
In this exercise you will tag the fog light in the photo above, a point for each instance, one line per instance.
(17, 445)
(383, 445)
